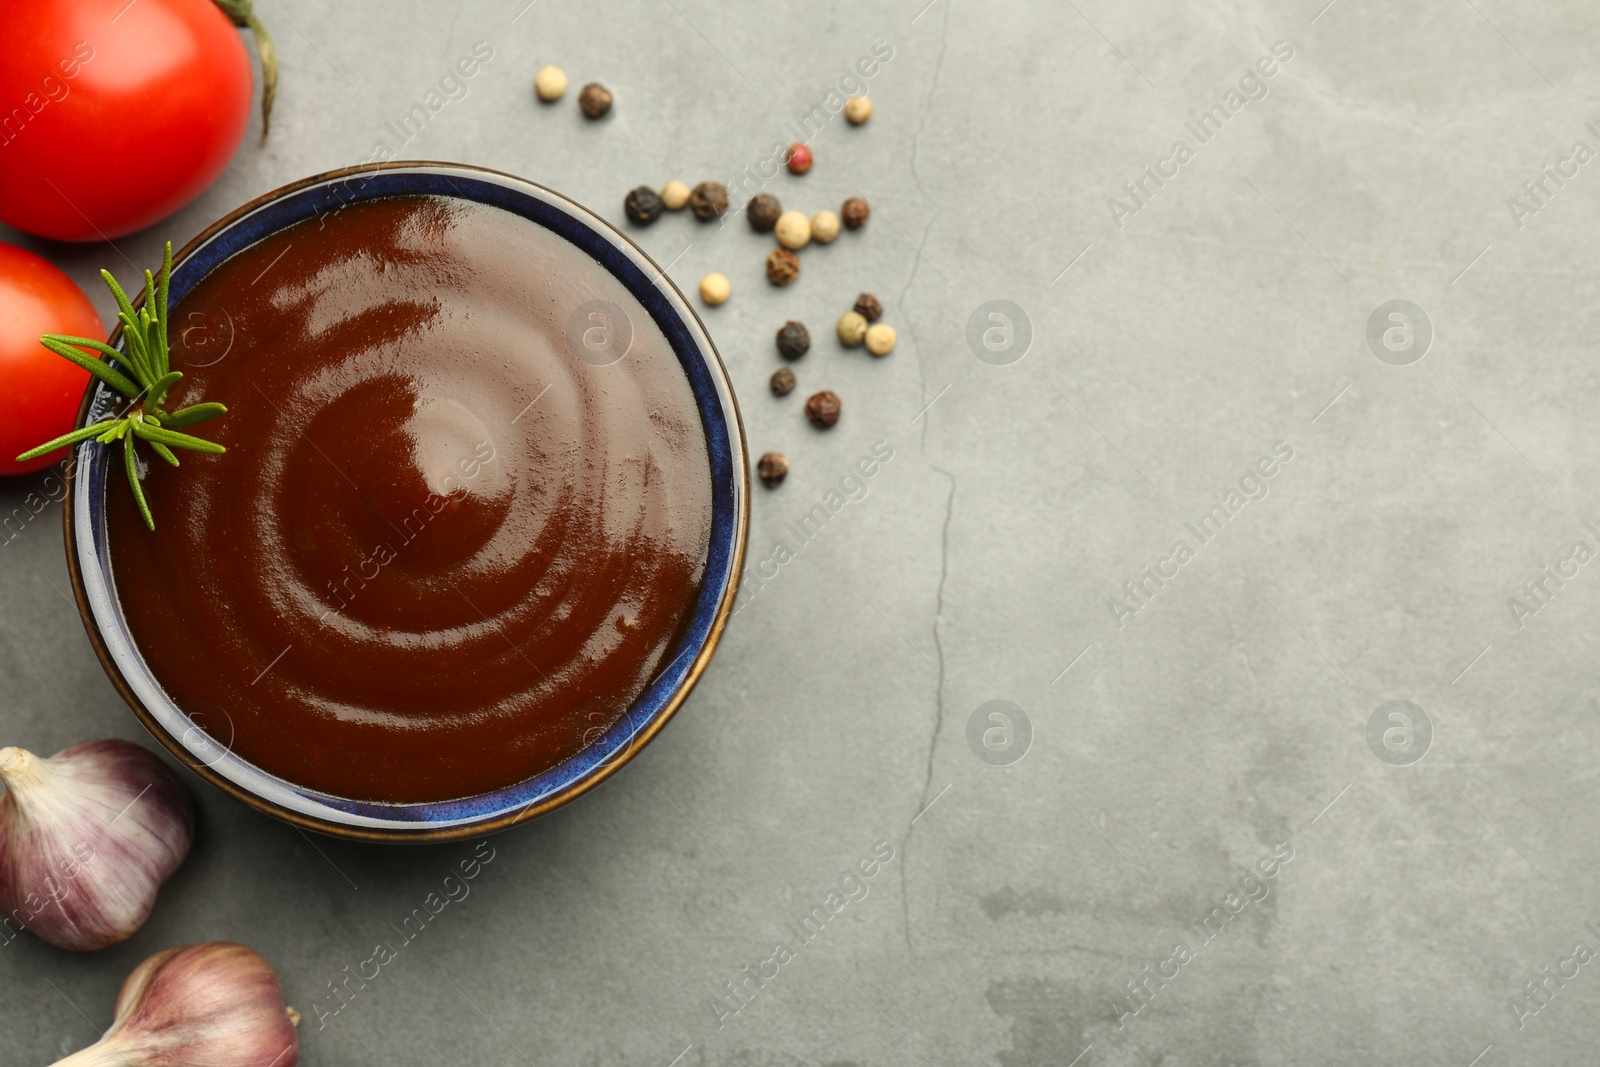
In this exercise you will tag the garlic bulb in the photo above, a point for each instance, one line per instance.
(86, 839)
(215, 1004)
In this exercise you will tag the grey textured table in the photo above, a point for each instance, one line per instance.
(1230, 718)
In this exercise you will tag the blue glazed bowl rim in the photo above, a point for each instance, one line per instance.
(196, 743)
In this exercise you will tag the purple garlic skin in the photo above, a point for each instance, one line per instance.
(215, 1004)
(86, 839)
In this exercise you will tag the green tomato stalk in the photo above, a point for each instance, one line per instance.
(242, 13)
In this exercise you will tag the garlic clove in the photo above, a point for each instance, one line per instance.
(215, 1004)
(86, 839)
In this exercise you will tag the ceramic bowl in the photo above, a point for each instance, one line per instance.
(202, 742)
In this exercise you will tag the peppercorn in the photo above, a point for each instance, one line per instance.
(714, 288)
(852, 328)
(782, 381)
(595, 100)
(794, 340)
(550, 83)
(799, 158)
(674, 195)
(822, 409)
(763, 212)
(783, 266)
(643, 205)
(793, 230)
(854, 213)
(880, 339)
(857, 109)
(824, 227)
(772, 469)
(868, 306)
(708, 200)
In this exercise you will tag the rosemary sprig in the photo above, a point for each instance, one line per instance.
(145, 357)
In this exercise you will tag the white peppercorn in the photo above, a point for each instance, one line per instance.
(714, 288)
(793, 230)
(880, 339)
(824, 227)
(674, 195)
(550, 83)
(852, 328)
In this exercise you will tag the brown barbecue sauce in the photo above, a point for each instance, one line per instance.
(444, 551)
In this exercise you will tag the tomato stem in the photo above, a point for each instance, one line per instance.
(242, 13)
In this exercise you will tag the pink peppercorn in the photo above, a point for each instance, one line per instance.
(799, 158)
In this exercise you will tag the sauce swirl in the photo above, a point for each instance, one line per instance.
(447, 547)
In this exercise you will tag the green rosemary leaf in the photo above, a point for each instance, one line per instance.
(100, 369)
(154, 336)
(132, 467)
(124, 305)
(82, 433)
(132, 355)
(115, 431)
(159, 387)
(164, 452)
(194, 413)
(82, 342)
(134, 350)
(175, 439)
(166, 278)
(153, 342)
(159, 335)
(162, 311)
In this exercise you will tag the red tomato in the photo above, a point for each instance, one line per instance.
(42, 390)
(114, 114)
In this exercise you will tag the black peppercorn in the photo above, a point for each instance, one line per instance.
(783, 266)
(763, 211)
(868, 307)
(708, 200)
(794, 340)
(643, 205)
(854, 213)
(822, 409)
(772, 468)
(595, 100)
(782, 382)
